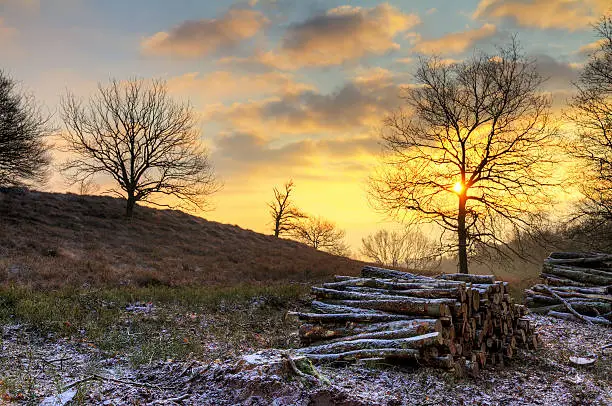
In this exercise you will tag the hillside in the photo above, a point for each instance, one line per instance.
(53, 240)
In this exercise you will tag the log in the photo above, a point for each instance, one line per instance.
(578, 276)
(400, 353)
(468, 278)
(556, 281)
(361, 344)
(323, 293)
(572, 294)
(456, 292)
(591, 291)
(405, 306)
(353, 317)
(407, 332)
(375, 272)
(583, 308)
(322, 307)
(597, 272)
(391, 284)
(569, 316)
(315, 332)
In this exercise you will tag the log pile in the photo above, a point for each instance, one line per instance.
(577, 286)
(459, 322)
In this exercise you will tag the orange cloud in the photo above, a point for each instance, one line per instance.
(339, 35)
(563, 14)
(454, 43)
(201, 37)
(222, 85)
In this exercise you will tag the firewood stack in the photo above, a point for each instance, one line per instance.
(457, 321)
(578, 286)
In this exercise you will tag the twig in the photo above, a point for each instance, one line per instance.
(567, 305)
(80, 381)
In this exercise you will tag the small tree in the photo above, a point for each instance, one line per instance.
(471, 154)
(591, 111)
(322, 235)
(23, 129)
(148, 144)
(284, 213)
(422, 252)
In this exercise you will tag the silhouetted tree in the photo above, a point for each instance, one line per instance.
(23, 129)
(591, 112)
(284, 213)
(147, 143)
(321, 234)
(470, 153)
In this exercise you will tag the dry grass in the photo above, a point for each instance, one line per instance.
(50, 240)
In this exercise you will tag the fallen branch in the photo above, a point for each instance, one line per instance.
(567, 305)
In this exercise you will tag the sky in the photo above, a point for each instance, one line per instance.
(285, 89)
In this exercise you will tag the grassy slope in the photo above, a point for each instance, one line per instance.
(50, 240)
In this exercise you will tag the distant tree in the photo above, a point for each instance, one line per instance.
(148, 144)
(321, 234)
(422, 252)
(23, 129)
(591, 112)
(385, 247)
(472, 152)
(284, 214)
(410, 248)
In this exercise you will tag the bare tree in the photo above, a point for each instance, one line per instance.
(284, 213)
(422, 252)
(23, 129)
(470, 153)
(385, 247)
(591, 112)
(134, 133)
(410, 248)
(321, 234)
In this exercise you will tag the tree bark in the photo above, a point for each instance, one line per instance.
(351, 317)
(370, 344)
(129, 206)
(462, 233)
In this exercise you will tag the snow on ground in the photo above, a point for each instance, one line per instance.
(33, 368)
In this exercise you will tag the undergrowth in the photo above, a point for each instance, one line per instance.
(158, 322)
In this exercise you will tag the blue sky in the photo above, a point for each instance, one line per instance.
(285, 89)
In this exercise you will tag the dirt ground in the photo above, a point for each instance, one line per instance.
(52, 370)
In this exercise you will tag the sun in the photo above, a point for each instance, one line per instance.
(458, 188)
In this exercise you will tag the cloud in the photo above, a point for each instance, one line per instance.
(234, 152)
(223, 85)
(360, 103)
(197, 38)
(561, 14)
(559, 75)
(341, 34)
(455, 43)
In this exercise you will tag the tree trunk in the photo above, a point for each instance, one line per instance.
(129, 207)
(462, 234)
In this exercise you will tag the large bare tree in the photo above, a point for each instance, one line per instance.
(284, 213)
(591, 112)
(23, 130)
(469, 153)
(148, 144)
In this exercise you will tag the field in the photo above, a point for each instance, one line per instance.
(87, 296)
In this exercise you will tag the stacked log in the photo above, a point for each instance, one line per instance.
(458, 321)
(577, 286)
